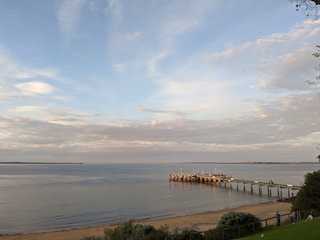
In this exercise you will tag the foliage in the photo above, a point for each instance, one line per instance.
(233, 224)
(129, 231)
(119, 233)
(311, 8)
(317, 54)
(237, 224)
(317, 78)
(189, 235)
(158, 234)
(93, 238)
(309, 196)
(213, 234)
(235, 219)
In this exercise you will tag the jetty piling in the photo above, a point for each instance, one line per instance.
(225, 181)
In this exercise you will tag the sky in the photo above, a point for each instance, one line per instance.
(157, 81)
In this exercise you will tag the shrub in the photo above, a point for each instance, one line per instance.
(119, 233)
(159, 234)
(129, 231)
(238, 224)
(235, 219)
(93, 238)
(190, 235)
(213, 234)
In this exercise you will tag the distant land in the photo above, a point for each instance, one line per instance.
(71, 163)
(58, 163)
(252, 162)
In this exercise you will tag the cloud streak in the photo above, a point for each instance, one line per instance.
(267, 49)
(69, 15)
(35, 88)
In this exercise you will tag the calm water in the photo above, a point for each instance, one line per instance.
(35, 198)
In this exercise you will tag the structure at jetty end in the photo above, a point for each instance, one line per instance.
(269, 188)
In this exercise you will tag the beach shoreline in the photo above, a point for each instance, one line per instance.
(199, 222)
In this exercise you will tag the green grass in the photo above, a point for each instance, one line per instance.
(302, 230)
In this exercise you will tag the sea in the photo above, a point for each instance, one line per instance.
(50, 197)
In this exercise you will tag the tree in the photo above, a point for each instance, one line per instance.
(310, 7)
(308, 198)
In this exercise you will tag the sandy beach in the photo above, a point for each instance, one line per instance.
(199, 222)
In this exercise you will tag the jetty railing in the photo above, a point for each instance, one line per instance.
(223, 180)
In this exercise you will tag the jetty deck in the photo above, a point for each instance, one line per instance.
(269, 188)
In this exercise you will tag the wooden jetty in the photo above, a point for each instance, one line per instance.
(223, 180)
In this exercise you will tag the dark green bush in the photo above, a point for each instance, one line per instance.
(130, 231)
(213, 234)
(159, 234)
(119, 233)
(235, 219)
(190, 235)
(93, 238)
(238, 224)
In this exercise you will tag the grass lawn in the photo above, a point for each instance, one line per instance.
(302, 230)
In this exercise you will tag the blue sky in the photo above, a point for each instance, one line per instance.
(181, 80)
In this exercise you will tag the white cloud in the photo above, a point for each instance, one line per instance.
(69, 15)
(29, 109)
(267, 48)
(153, 64)
(278, 130)
(97, 5)
(132, 36)
(120, 68)
(12, 73)
(275, 60)
(24, 75)
(289, 72)
(11, 69)
(157, 28)
(178, 27)
(35, 87)
(214, 89)
(288, 124)
(115, 9)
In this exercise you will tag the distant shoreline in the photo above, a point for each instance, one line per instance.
(75, 163)
(252, 162)
(40, 163)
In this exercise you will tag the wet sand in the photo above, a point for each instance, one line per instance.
(199, 222)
